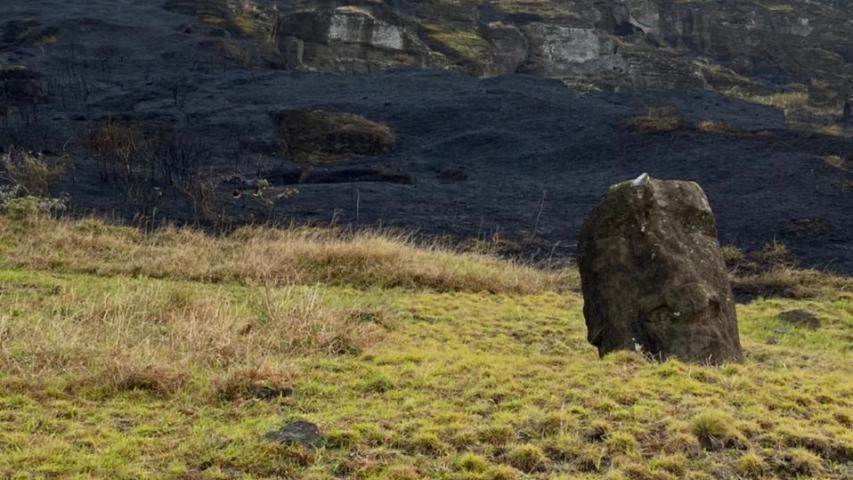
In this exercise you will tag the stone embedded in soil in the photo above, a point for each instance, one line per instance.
(272, 393)
(299, 432)
(653, 275)
(322, 136)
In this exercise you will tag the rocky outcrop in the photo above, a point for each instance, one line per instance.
(350, 39)
(750, 50)
(653, 276)
(242, 18)
(321, 136)
(576, 55)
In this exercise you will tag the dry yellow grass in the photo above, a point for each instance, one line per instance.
(839, 162)
(110, 335)
(717, 127)
(666, 119)
(139, 334)
(773, 272)
(657, 120)
(791, 282)
(265, 256)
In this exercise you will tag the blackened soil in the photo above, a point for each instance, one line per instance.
(519, 156)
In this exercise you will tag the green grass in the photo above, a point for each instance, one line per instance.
(106, 373)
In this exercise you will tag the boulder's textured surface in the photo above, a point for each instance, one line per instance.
(653, 276)
(349, 39)
(318, 135)
(298, 433)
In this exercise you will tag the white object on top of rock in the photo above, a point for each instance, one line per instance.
(641, 180)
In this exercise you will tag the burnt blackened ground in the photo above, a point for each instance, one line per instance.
(519, 156)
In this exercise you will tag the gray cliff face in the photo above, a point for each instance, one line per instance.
(745, 49)
(350, 39)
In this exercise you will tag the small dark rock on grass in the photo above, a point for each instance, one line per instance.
(272, 393)
(299, 432)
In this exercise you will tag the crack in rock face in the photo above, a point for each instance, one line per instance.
(653, 275)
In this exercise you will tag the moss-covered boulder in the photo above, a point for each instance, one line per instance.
(653, 275)
(323, 136)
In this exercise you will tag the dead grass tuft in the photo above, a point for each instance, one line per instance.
(798, 462)
(666, 119)
(839, 162)
(773, 272)
(657, 120)
(717, 127)
(156, 379)
(786, 100)
(254, 381)
(300, 323)
(715, 430)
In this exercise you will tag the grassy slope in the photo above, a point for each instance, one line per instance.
(105, 375)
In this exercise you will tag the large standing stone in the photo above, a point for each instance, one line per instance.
(653, 276)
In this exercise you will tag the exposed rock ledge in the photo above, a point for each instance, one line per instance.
(802, 48)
